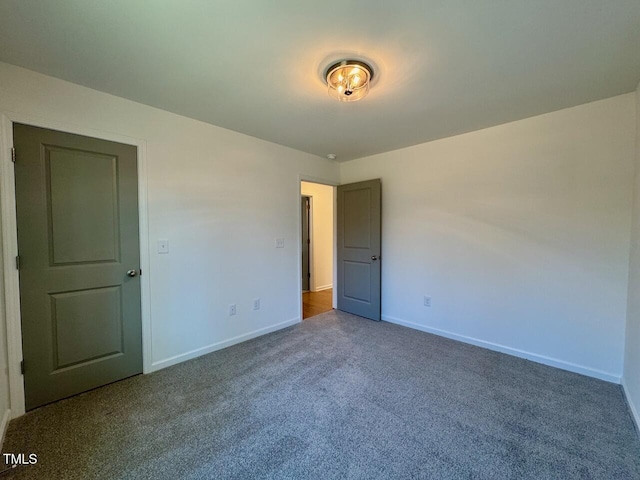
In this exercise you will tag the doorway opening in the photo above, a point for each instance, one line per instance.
(317, 223)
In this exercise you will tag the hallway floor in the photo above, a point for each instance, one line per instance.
(315, 303)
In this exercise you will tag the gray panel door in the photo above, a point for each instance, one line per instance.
(306, 241)
(359, 247)
(77, 212)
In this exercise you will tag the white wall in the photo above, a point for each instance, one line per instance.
(631, 378)
(520, 233)
(219, 197)
(322, 234)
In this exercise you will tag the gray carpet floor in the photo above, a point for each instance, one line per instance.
(338, 396)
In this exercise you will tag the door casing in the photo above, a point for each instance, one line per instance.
(10, 279)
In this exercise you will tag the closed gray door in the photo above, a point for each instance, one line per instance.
(77, 211)
(306, 242)
(359, 246)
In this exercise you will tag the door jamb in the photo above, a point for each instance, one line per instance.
(331, 183)
(10, 278)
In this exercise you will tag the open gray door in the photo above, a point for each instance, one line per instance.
(359, 247)
(77, 213)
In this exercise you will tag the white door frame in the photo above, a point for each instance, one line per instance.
(331, 183)
(10, 278)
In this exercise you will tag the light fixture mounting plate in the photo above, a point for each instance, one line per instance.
(342, 63)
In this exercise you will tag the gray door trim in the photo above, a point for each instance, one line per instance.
(11, 286)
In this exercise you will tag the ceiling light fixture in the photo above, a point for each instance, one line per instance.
(348, 80)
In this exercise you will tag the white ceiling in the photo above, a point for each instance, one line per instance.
(443, 67)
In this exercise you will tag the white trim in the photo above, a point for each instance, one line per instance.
(145, 258)
(4, 425)
(335, 247)
(312, 243)
(323, 287)
(10, 242)
(11, 279)
(299, 250)
(311, 179)
(632, 406)
(534, 357)
(183, 357)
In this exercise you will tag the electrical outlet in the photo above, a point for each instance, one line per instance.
(232, 309)
(256, 304)
(279, 242)
(427, 301)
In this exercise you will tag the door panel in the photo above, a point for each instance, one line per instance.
(357, 218)
(359, 246)
(356, 284)
(76, 341)
(77, 213)
(92, 202)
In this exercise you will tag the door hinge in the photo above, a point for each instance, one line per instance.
(13, 154)
(309, 241)
(308, 275)
(140, 272)
(17, 262)
(22, 367)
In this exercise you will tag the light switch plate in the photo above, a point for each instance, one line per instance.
(163, 245)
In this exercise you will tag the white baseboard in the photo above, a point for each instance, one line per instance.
(183, 357)
(324, 287)
(4, 424)
(552, 362)
(632, 405)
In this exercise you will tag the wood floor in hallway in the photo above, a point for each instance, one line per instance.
(315, 303)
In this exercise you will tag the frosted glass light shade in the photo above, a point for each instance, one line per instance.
(348, 80)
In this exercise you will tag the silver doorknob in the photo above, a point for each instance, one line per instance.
(374, 258)
(132, 273)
